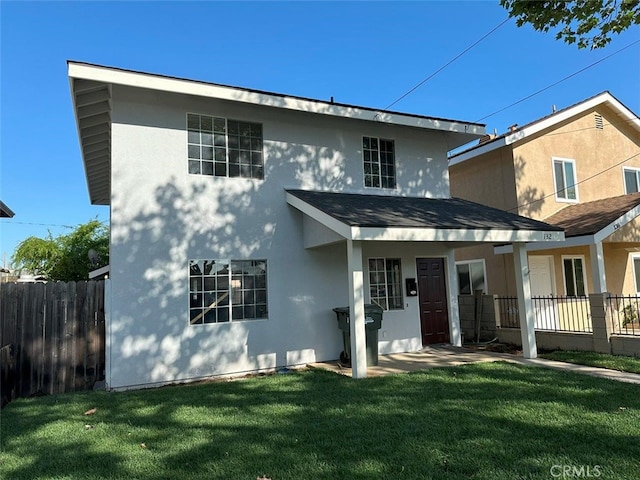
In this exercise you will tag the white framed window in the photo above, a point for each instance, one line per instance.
(224, 148)
(227, 290)
(631, 179)
(564, 176)
(635, 262)
(574, 279)
(471, 276)
(379, 162)
(385, 283)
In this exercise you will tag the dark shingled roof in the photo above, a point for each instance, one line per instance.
(5, 211)
(410, 212)
(591, 217)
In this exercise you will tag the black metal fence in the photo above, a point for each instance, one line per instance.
(625, 314)
(553, 313)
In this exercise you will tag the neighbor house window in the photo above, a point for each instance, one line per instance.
(574, 282)
(564, 173)
(224, 148)
(636, 272)
(227, 290)
(631, 180)
(471, 276)
(379, 163)
(385, 282)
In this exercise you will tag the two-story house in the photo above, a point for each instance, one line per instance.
(241, 218)
(578, 168)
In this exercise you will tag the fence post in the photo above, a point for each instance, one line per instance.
(601, 321)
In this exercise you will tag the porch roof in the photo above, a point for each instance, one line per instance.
(383, 217)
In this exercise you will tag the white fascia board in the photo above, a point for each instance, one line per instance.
(452, 235)
(318, 215)
(550, 122)
(236, 94)
(549, 245)
(617, 224)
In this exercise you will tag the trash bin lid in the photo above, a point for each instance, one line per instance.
(341, 310)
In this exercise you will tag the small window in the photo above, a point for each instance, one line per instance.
(471, 277)
(574, 283)
(631, 179)
(636, 272)
(564, 173)
(379, 163)
(224, 148)
(227, 290)
(385, 283)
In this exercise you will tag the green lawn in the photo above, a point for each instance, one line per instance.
(481, 421)
(592, 359)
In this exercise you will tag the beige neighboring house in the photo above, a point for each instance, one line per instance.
(578, 168)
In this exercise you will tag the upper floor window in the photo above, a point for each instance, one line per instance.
(471, 276)
(564, 173)
(379, 163)
(227, 290)
(385, 282)
(631, 179)
(224, 148)
(574, 283)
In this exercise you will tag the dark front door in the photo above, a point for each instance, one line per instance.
(432, 295)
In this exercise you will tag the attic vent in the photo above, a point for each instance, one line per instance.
(599, 123)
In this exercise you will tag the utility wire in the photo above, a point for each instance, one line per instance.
(558, 82)
(445, 65)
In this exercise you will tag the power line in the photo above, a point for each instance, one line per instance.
(558, 82)
(11, 222)
(446, 65)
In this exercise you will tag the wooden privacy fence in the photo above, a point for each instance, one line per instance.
(51, 338)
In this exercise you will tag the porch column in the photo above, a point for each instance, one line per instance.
(356, 307)
(454, 311)
(597, 268)
(525, 306)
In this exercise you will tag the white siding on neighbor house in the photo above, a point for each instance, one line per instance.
(161, 217)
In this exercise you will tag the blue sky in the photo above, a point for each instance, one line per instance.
(363, 53)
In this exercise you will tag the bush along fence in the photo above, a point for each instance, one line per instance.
(51, 338)
(600, 322)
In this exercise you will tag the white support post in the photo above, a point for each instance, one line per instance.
(597, 268)
(525, 305)
(454, 311)
(356, 307)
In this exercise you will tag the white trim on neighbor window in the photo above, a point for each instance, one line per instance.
(577, 287)
(635, 177)
(475, 267)
(635, 266)
(566, 187)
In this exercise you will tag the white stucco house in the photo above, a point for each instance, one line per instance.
(241, 218)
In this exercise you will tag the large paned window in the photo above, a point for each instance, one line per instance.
(227, 290)
(631, 179)
(564, 173)
(385, 282)
(574, 283)
(224, 148)
(471, 276)
(636, 272)
(379, 163)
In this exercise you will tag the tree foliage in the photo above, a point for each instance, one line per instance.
(65, 257)
(589, 23)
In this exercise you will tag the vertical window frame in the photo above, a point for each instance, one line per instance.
(562, 189)
(470, 263)
(575, 284)
(635, 266)
(636, 172)
(393, 291)
(379, 163)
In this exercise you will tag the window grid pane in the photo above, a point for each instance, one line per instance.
(222, 291)
(221, 147)
(385, 283)
(378, 163)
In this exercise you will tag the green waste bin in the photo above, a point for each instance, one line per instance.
(372, 323)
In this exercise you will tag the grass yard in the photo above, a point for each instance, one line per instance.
(481, 421)
(592, 359)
